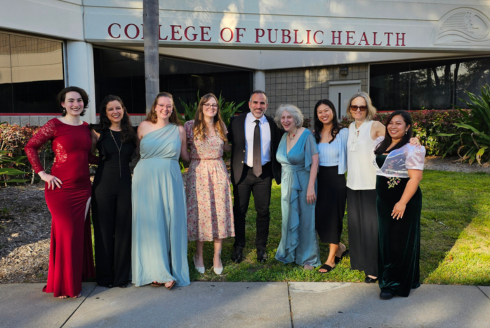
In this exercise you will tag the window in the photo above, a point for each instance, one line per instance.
(430, 85)
(122, 73)
(31, 74)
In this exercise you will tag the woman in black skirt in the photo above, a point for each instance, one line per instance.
(330, 205)
(115, 139)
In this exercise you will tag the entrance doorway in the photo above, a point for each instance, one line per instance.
(340, 93)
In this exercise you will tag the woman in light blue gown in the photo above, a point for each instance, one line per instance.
(298, 155)
(159, 235)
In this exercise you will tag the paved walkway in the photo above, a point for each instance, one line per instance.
(241, 304)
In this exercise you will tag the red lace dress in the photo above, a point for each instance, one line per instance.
(70, 256)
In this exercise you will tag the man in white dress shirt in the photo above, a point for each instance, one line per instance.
(254, 138)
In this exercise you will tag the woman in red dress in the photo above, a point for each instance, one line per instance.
(67, 192)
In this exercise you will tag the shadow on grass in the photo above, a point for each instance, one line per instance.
(455, 224)
(455, 240)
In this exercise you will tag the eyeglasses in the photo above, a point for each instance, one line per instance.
(209, 105)
(356, 108)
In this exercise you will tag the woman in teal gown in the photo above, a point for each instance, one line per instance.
(298, 190)
(159, 234)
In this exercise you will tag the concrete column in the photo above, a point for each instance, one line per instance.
(259, 80)
(80, 62)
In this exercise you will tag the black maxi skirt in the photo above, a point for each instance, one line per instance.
(330, 204)
(399, 240)
(363, 230)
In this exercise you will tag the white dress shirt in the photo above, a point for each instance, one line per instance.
(265, 139)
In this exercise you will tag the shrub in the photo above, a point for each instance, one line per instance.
(13, 139)
(474, 127)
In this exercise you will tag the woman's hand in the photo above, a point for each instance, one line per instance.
(50, 179)
(415, 141)
(398, 210)
(310, 195)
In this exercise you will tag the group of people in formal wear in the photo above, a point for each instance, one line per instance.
(143, 222)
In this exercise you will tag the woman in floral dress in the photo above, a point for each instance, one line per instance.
(209, 204)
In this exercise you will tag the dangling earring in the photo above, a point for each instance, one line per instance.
(406, 132)
(64, 111)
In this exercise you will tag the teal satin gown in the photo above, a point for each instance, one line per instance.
(298, 239)
(159, 235)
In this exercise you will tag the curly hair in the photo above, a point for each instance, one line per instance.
(127, 132)
(152, 115)
(62, 95)
(199, 128)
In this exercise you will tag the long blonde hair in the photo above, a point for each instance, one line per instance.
(200, 125)
(152, 115)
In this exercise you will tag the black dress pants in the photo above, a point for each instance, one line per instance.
(260, 187)
(111, 214)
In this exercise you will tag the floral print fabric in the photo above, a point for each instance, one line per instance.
(209, 204)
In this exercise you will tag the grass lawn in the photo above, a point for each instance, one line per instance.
(455, 242)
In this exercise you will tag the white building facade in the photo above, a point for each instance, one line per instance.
(409, 54)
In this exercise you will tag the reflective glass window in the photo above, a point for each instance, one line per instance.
(122, 73)
(427, 84)
(31, 74)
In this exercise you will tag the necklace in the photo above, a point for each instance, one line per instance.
(291, 138)
(118, 149)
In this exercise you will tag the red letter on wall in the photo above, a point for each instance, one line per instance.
(296, 38)
(175, 33)
(205, 33)
(187, 35)
(257, 35)
(350, 37)
(110, 31)
(336, 37)
(137, 31)
(286, 35)
(238, 35)
(231, 34)
(363, 38)
(314, 37)
(270, 39)
(402, 39)
(389, 34)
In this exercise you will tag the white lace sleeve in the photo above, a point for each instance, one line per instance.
(415, 158)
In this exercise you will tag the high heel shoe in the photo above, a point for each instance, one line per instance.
(218, 271)
(199, 269)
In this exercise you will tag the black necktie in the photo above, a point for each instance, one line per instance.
(257, 161)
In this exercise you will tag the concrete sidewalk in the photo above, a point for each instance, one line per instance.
(241, 304)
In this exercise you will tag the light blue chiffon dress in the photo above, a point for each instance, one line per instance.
(159, 235)
(298, 239)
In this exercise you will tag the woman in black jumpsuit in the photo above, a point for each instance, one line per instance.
(115, 140)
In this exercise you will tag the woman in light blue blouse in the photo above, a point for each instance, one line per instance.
(332, 192)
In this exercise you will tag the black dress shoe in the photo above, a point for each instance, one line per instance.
(386, 295)
(237, 255)
(261, 254)
(370, 280)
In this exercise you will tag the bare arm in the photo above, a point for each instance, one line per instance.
(410, 189)
(95, 137)
(184, 153)
(227, 147)
(310, 193)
